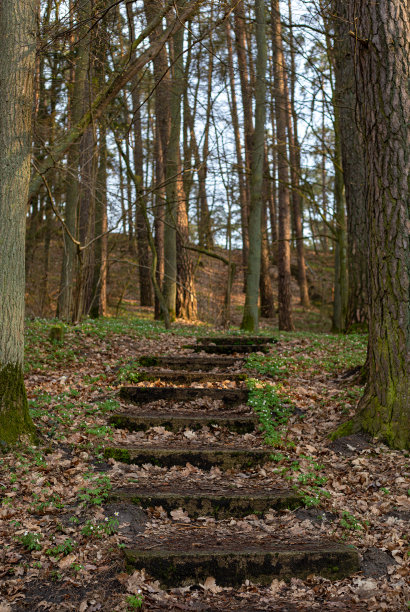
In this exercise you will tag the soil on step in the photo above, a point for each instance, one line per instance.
(184, 408)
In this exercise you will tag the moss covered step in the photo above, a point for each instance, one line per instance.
(145, 395)
(188, 377)
(142, 422)
(224, 505)
(185, 564)
(204, 458)
(230, 340)
(189, 362)
(228, 349)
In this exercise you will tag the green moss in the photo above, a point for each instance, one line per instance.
(15, 421)
(345, 429)
(57, 333)
(119, 454)
(148, 361)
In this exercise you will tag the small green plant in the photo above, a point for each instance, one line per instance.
(272, 410)
(97, 491)
(62, 549)
(31, 541)
(269, 366)
(312, 496)
(128, 373)
(349, 521)
(135, 602)
(97, 530)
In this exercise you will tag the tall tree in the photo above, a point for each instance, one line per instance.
(140, 227)
(250, 319)
(17, 66)
(353, 168)
(381, 47)
(284, 289)
(243, 201)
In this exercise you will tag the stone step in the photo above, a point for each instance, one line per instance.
(189, 377)
(142, 422)
(190, 362)
(231, 340)
(180, 563)
(145, 395)
(228, 349)
(203, 458)
(226, 504)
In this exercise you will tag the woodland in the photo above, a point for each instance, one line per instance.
(204, 305)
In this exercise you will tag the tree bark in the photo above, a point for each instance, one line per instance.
(99, 303)
(76, 87)
(17, 67)
(141, 229)
(380, 43)
(284, 287)
(353, 170)
(295, 169)
(250, 319)
(243, 202)
(265, 285)
(162, 130)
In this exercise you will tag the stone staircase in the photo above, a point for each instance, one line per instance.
(194, 549)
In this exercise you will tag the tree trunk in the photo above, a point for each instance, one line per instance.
(99, 303)
(284, 288)
(381, 48)
(162, 131)
(17, 67)
(265, 285)
(76, 87)
(243, 202)
(295, 169)
(250, 320)
(353, 170)
(340, 283)
(141, 230)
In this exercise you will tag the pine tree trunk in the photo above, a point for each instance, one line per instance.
(75, 101)
(17, 66)
(265, 285)
(99, 303)
(353, 170)
(144, 265)
(162, 131)
(381, 48)
(243, 202)
(295, 169)
(284, 286)
(250, 320)
(340, 283)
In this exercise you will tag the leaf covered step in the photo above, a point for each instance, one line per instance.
(234, 340)
(204, 458)
(184, 561)
(145, 395)
(189, 362)
(228, 349)
(188, 377)
(143, 422)
(223, 505)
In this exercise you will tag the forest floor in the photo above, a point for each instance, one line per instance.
(62, 537)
